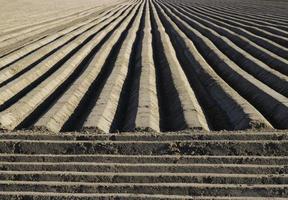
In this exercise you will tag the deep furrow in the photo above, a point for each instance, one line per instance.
(272, 28)
(251, 65)
(102, 115)
(270, 103)
(30, 77)
(261, 41)
(61, 111)
(54, 42)
(143, 110)
(272, 20)
(248, 9)
(282, 40)
(259, 19)
(240, 114)
(271, 59)
(193, 116)
(216, 117)
(14, 115)
(45, 42)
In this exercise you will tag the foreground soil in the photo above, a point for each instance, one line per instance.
(158, 65)
(186, 165)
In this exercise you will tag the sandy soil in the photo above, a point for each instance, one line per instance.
(25, 12)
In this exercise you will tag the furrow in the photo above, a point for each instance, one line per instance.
(253, 66)
(144, 99)
(77, 40)
(262, 97)
(282, 40)
(192, 112)
(103, 113)
(29, 51)
(33, 42)
(241, 114)
(261, 41)
(57, 41)
(14, 115)
(272, 28)
(56, 117)
(48, 20)
(19, 42)
(271, 59)
(262, 19)
(262, 13)
(143, 110)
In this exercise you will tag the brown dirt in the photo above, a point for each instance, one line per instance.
(143, 99)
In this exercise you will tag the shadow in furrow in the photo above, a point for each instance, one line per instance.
(46, 33)
(45, 56)
(126, 111)
(34, 84)
(77, 119)
(8, 52)
(216, 117)
(41, 109)
(171, 112)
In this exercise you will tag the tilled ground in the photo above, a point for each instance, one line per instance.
(150, 68)
(158, 65)
(187, 165)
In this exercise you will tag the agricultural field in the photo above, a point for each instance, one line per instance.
(160, 66)
(143, 99)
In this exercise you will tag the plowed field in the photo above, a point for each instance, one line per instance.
(148, 65)
(200, 88)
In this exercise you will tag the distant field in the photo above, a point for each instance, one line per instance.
(25, 12)
(143, 65)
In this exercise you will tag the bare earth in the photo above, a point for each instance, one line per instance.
(26, 12)
(143, 99)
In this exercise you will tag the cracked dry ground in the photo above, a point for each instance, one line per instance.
(144, 99)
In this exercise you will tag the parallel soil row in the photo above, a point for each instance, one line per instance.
(161, 80)
(148, 65)
(215, 165)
